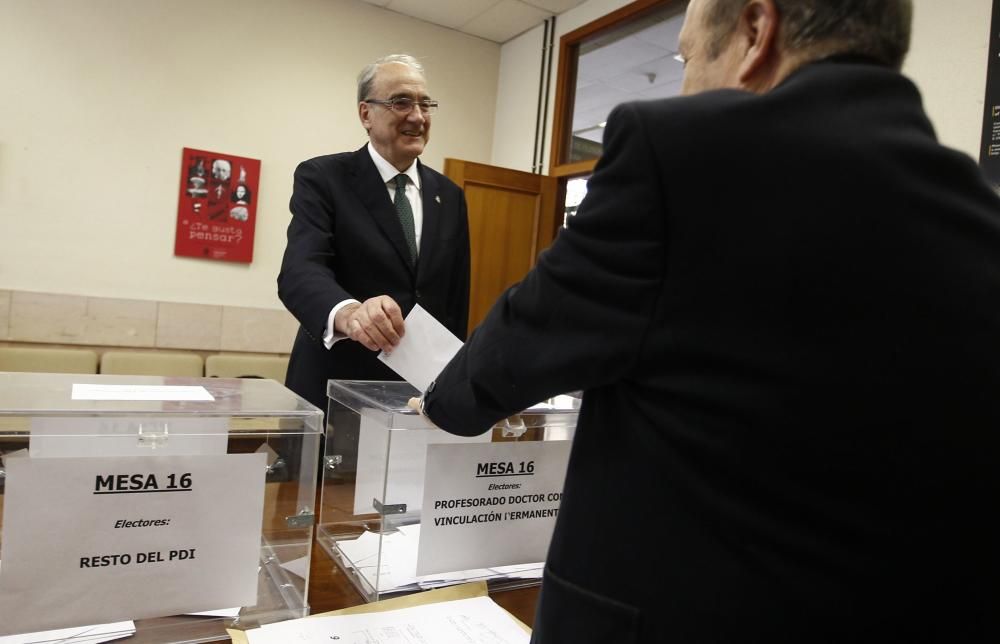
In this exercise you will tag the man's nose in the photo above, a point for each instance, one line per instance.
(416, 115)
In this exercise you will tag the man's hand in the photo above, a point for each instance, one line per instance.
(377, 323)
(417, 404)
(513, 426)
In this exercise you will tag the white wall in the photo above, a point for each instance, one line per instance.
(947, 61)
(517, 91)
(517, 100)
(948, 56)
(100, 96)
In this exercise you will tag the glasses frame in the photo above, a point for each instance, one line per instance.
(399, 104)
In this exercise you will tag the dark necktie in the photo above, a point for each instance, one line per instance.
(405, 213)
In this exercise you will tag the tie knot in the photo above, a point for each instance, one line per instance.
(401, 181)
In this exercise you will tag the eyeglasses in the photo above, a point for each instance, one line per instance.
(403, 105)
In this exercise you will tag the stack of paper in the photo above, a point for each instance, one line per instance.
(464, 621)
(79, 635)
(397, 571)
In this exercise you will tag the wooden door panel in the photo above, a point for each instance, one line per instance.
(512, 218)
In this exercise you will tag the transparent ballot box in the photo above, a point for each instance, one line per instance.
(407, 506)
(164, 509)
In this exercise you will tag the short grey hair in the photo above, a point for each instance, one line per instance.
(878, 29)
(367, 76)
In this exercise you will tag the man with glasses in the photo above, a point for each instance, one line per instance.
(373, 233)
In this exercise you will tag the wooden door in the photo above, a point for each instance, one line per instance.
(512, 218)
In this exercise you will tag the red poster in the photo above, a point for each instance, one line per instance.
(217, 206)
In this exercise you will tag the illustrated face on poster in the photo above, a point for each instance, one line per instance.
(217, 207)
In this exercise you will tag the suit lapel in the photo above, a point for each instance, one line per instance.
(430, 199)
(373, 194)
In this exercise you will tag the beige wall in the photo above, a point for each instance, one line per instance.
(104, 322)
(100, 96)
(947, 61)
(517, 91)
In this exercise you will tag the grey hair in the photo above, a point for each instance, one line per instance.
(878, 29)
(367, 76)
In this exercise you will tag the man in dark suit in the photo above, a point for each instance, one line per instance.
(782, 302)
(373, 233)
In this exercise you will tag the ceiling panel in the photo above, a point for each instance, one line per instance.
(617, 57)
(496, 20)
(555, 6)
(666, 90)
(592, 118)
(504, 20)
(664, 34)
(447, 13)
(646, 76)
(595, 93)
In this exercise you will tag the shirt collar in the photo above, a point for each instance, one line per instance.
(388, 172)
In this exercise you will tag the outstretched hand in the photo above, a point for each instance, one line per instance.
(414, 403)
(377, 323)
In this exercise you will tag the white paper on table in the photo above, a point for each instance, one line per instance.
(93, 634)
(398, 561)
(298, 567)
(394, 571)
(425, 349)
(15, 454)
(56, 516)
(222, 612)
(83, 391)
(478, 620)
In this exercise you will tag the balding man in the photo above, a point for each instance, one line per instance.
(781, 297)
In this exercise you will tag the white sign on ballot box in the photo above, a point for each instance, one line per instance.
(88, 540)
(489, 505)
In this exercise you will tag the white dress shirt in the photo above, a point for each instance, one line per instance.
(388, 173)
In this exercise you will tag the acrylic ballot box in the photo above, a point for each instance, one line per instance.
(241, 460)
(406, 506)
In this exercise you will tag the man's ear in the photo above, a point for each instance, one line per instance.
(758, 29)
(364, 113)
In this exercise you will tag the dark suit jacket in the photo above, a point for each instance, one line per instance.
(345, 241)
(785, 313)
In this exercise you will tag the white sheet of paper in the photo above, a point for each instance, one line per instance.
(478, 620)
(425, 349)
(398, 572)
(93, 634)
(58, 516)
(222, 612)
(298, 567)
(83, 391)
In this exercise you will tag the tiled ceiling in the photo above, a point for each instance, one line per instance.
(496, 20)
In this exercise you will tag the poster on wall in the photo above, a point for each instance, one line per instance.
(989, 151)
(217, 207)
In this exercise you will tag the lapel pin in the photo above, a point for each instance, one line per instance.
(437, 198)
